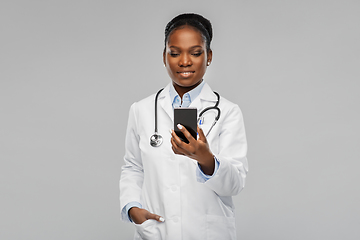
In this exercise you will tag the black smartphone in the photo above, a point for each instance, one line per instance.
(187, 117)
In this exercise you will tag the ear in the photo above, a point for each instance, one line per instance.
(164, 56)
(209, 56)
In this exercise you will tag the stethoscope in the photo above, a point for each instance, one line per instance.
(156, 139)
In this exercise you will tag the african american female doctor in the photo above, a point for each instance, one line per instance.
(181, 190)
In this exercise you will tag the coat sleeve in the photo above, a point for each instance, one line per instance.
(132, 174)
(229, 180)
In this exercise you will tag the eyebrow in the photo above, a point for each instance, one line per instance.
(196, 46)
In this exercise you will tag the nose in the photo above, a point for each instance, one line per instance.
(185, 60)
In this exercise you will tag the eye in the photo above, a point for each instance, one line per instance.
(174, 54)
(197, 54)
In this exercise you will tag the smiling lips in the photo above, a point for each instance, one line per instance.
(186, 74)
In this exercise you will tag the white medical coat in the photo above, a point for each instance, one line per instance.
(166, 183)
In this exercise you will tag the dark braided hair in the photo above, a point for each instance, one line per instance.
(194, 20)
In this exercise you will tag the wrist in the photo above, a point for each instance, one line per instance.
(131, 210)
(206, 160)
(208, 166)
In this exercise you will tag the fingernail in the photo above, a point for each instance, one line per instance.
(161, 219)
(170, 130)
(179, 126)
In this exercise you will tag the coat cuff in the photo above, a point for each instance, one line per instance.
(125, 210)
(201, 176)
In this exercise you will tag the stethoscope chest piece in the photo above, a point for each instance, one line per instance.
(156, 140)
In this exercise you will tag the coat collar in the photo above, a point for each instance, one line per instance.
(206, 95)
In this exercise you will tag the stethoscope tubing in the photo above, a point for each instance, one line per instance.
(156, 98)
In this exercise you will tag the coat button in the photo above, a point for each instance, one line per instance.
(176, 219)
(174, 188)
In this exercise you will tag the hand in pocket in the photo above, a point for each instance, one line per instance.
(140, 215)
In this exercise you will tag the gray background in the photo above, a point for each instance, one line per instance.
(69, 71)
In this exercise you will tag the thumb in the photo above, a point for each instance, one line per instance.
(201, 134)
(156, 217)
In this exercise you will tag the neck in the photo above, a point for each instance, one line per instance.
(182, 90)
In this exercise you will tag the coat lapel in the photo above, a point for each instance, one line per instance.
(205, 99)
(165, 102)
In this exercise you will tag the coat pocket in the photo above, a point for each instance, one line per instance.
(148, 230)
(220, 227)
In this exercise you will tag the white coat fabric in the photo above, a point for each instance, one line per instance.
(166, 183)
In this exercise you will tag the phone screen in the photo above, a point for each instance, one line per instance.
(187, 117)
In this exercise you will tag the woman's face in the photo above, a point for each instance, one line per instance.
(185, 57)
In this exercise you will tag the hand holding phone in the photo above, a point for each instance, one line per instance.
(197, 149)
